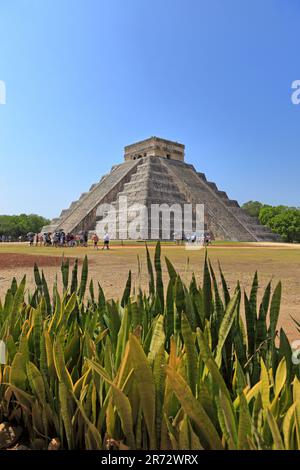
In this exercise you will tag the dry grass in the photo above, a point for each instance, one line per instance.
(239, 261)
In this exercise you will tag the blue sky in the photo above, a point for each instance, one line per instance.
(86, 77)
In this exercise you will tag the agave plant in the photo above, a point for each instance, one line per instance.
(176, 367)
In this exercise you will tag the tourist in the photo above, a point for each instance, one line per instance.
(177, 238)
(207, 239)
(55, 239)
(68, 239)
(30, 237)
(47, 239)
(85, 238)
(106, 241)
(62, 238)
(95, 239)
(193, 237)
(72, 240)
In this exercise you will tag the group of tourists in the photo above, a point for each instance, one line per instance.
(203, 238)
(6, 238)
(62, 239)
(95, 239)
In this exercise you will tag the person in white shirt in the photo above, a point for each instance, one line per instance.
(193, 237)
(106, 241)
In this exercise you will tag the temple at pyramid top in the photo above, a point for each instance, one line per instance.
(155, 147)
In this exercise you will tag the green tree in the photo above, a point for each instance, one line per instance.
(20, 225)
(252, 208)
(267, 213)
(283, 220)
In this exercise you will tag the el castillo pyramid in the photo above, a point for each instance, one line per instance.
(154, 172)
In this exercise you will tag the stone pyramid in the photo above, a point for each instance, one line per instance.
(154, 172)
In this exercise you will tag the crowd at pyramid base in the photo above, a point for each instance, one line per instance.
(154, 172)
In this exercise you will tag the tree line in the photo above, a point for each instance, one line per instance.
(283, 220)
(15, 226)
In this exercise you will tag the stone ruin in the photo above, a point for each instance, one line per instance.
(154, 171)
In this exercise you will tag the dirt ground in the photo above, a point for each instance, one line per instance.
(110, 268)
(14, 261)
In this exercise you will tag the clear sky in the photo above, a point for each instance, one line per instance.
(86, 77)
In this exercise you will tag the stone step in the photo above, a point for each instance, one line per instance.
(232, 203)
(222, 194)
(201, 176)
(212, 185)
(253, 223)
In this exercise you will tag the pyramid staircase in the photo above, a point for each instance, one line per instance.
(151, 184)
